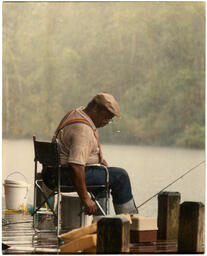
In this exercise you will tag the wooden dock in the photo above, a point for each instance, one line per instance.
(18, 233)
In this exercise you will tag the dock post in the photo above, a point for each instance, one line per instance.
(113, 235)
(190, 238)
(168, 215)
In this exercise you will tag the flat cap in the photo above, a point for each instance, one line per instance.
(108, 101)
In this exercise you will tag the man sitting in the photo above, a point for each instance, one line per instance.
(80, 148)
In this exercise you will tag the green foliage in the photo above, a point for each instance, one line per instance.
(192, 136)
(149, 55)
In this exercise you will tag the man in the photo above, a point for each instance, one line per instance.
(80, 148)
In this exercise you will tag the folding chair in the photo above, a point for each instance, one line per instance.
(47, 154)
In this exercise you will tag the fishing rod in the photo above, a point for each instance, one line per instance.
(171, 184)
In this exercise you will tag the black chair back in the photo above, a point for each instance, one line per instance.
(46, 153)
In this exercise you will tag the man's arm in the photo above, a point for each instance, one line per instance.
(78, 179)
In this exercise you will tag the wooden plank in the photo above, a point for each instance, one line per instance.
(160, 246)
(46, 243)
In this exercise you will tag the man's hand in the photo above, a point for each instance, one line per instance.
(103, 162)
(89, 206)
(78, 179)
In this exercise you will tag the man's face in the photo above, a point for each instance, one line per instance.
(103, 117)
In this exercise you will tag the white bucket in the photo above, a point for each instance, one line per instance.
(70, 212)
(16, 192)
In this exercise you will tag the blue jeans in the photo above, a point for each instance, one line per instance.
(119, 182)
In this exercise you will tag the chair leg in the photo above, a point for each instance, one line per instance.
(108, 203)
(108, 208)
(58, 214)
(58, 201)
(35, 199)
(107, 189)
(35, 189)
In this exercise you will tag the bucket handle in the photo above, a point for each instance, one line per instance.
(16, 172)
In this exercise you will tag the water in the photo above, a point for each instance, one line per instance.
(150, 169)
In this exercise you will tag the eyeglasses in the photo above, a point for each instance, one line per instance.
(109, 118)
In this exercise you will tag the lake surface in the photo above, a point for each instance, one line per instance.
(150, 169)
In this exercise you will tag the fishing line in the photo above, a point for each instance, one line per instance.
(171, 184)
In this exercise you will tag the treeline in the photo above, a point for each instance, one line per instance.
(149, 55)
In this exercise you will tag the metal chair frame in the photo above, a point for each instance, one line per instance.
(47, 154)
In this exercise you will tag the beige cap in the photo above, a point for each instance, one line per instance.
(108, 101)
